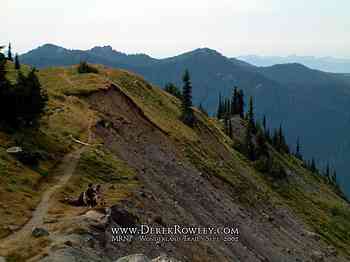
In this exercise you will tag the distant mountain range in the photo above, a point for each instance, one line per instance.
(327, 64)
(308, 103)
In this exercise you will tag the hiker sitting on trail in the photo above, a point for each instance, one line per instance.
(91, 196)
(86, 198)
(81, 201)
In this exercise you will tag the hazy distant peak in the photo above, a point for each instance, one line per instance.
(291, 66)
(327, 64)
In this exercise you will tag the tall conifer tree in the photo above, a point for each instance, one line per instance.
(251, 114)
(187, 113)
(9, 53)
(298, 151)
(264, 123)
(220, 108)
(313, 167)
(17, 64)
(328, 174)
(230, 129)
(241, 103)
(234, 102)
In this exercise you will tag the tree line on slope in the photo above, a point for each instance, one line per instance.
(22, 103)
(258, 136)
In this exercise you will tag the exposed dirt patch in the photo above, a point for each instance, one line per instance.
(175, 192)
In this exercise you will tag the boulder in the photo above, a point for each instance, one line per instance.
(331, 252)
(39, 232)
(134, 258)
(164, 258)
(122, 217)
(313, 235)
(14, 150)
(317, 256)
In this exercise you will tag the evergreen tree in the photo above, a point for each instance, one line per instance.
(258, 127)
(234, 102)
(298, 153)
(241, 103)
(251, 114)
(264, 123)
(280, 136)
(173, 89)
(202, 109)
(29, 100)
(230, 129)
(226, 126)
(85, 68)
(268, 136)
(220, 108)
(328, 175)
(334, 178)
(5, 88)
(313, 167)
(187, 113)
(17, 64)
(275, 140)
(21, 103)
(226, 107)
(282, 145)
(34, 99)
(2, 67)
(9, 53)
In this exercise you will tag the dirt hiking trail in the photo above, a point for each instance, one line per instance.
(66, 168)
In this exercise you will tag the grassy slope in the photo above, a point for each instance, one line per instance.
(66, 114)
(306, 194)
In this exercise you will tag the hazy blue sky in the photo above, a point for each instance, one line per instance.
(165, 28)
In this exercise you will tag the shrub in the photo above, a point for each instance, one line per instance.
(277, 171)
(28, 158)
(85, 68)
(264, 164)
(174, 90)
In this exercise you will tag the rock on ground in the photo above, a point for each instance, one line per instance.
(39, 232)
(134, 258)
(70, 254)
(164, 258)
(317, 256)
(143, 258)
